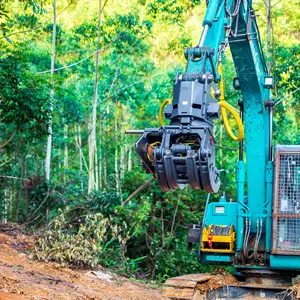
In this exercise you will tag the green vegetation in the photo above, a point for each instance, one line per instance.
(130, 51)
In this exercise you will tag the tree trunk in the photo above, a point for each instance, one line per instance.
(92, 132)
(10, 201)
(123, 144)
(100, 158)
(269, 34)
(96, 169)
(66, 152)
(20, 193)
(116, 131)
(80, 157)
(105, 158)
(138, 190)
(91, 183)
(49, 141)
(118, 161)
(17, 210)
(4, 205)
(78, 143)
(130, 159)
(116, 149)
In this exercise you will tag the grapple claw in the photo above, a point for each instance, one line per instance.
(179, 157)
(183, 153)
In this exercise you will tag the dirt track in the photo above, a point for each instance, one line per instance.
(21, 278)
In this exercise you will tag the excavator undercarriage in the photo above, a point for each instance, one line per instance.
(225, 286)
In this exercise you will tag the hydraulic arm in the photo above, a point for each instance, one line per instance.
(183, 152)
(262, 225)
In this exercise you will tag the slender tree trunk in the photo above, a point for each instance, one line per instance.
(80, 157)
(66, 152)
(100, 158)
(96, 169)
(116, 150)
(10, 201)
(269, 34)
(92, 132)
(18, 195)
(49, 141)
(37, 166)
(49, 148)
(123, 147)
(78, 143)
(5, 204)
(91, 183)
(59, 158)
(104, 156)
(118, 165)
(130, 159)
(138, 190)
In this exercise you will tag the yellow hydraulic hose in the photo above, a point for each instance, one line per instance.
(161, 110)
(226, 106)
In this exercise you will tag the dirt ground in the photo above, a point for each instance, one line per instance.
(21, 278)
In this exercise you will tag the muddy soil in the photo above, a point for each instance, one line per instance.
(21, 278)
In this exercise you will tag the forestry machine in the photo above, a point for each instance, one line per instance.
(258, 232)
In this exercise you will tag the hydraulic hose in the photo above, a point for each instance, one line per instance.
(161, 110)
(202, 225)
(225, 106)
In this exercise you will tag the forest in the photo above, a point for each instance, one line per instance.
(74, 75)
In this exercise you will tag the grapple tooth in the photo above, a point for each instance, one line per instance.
(170, 170)
(192, 171)
(176, 164)
(160, 174)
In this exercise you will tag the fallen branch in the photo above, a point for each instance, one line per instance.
(282, 99)
(13, 177)
(12, 136)
(41, 204)
(7, 161)
(138, 190)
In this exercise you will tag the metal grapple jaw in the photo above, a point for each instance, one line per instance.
(180, 156)
(183, 153)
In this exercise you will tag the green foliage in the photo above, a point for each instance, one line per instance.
(176, 260)
(141, 50)
(24, 95)
(37, 7)
(163, 9)
(286, 72)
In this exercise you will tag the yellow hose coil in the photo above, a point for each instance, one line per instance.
(226, 106)
(161, 110)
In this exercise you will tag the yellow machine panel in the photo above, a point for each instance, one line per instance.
(218, 238)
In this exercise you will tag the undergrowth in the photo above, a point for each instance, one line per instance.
(87, 244)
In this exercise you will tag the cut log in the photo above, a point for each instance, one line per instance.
(184, 287)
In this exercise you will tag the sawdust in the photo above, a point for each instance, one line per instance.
(21, 278)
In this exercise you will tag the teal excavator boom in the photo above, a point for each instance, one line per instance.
(260, 230)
